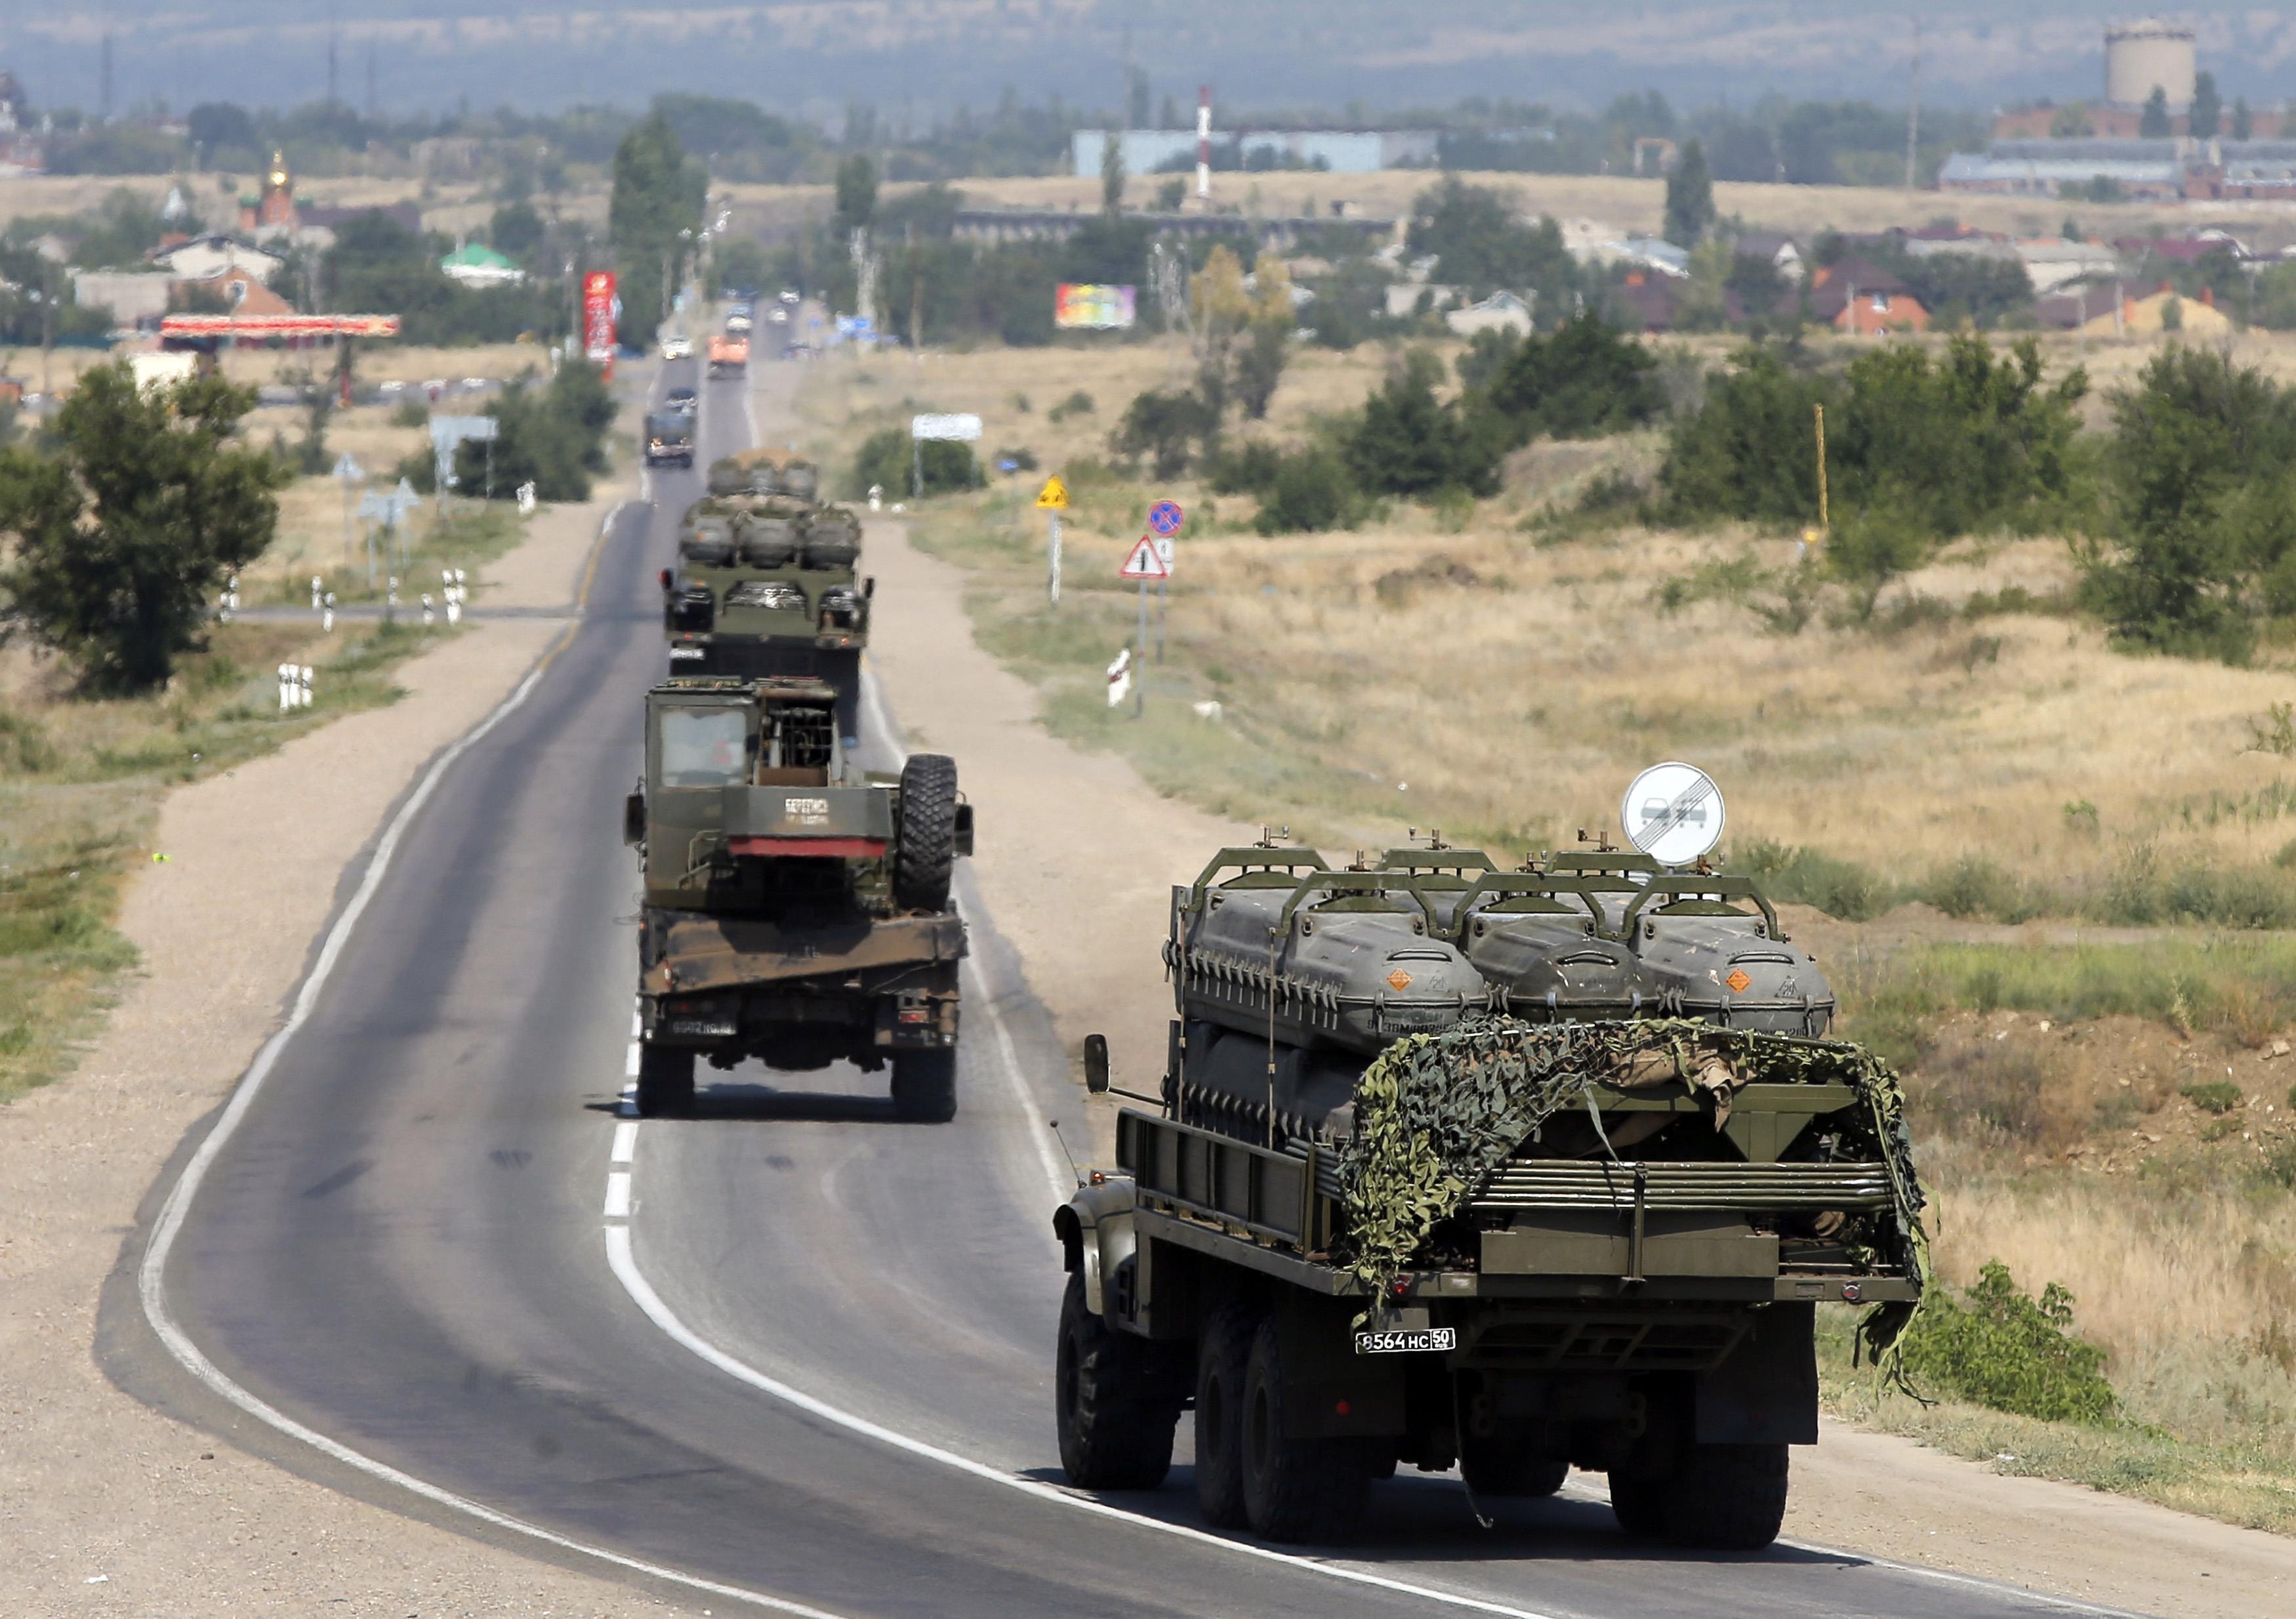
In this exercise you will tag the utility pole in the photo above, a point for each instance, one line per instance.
(916, 298)
(1914, 111)
(331, 63)
(370, 81)
(104, 87)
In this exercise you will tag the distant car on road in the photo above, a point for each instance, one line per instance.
(737, 321)
(683, 401)
(789, 295)
(778, 315)
(677, 346)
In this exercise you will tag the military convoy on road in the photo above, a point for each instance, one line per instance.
(768, 582)
(796, 908)
(1511, 1170)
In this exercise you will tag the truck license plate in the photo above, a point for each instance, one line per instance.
(1415, 1341)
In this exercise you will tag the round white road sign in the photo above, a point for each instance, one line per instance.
(1673, 813)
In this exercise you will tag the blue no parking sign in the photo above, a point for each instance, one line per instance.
(1164, 517)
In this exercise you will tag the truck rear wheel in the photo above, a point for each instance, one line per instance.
(665, 1081)
(1295, 1489)
(1720, 1498)
(1728, 1498)
(1222, 1358)
(927, 851)
(925, 1086)
(1116, 1417)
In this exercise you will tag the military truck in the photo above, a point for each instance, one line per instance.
(670, 439)
(797, 909)
(1511, 1170)
(768, 584)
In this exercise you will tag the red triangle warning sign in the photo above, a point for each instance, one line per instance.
(1145, 562)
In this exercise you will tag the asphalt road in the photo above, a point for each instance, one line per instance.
(412, 1244)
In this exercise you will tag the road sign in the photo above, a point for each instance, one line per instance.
(1145, 563)
(965, 428)
(348, 470)
(1673, 813)
(1164, 518)
(1054, 496)
(1164, 551)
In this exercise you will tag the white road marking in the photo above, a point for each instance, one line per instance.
(624, 1264)
(150, 1279)
(630, 1063)
(618, 1195)
(638, 1026)
(626, 1143)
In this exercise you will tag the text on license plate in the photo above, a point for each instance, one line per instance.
(1413, 1341)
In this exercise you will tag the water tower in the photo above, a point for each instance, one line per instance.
(2140, 57)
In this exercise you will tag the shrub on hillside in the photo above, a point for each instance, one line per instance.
(2002, 1348)
(1165, 427)
(890, 458)
(1405, 441)
(1311, 489)
(2203, 540)
(1585, 379)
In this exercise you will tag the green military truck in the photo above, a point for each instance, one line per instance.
(1512, 1169)
(797, 909)
(767, 583)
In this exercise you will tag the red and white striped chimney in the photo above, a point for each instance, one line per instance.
(1203, 143)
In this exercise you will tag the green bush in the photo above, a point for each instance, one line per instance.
(2000, 1347)
(1405, 441)
(1165, 427)
(2218, 1097)
(890, 458)
(2204, 538)
(553, 437)
(1077, 403)
(1974, 886)
(1582, 380)
(1804, 877)
(1309, 491)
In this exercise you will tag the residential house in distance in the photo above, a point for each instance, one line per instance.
(1501, 311)
(1864, 300)
(476, 264)
(205, 256)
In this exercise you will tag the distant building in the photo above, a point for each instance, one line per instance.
(2150, 315)
(273, 209)
(1864, 300)
(133, 296)
(1500, 312)
(205, 256)
(1339, 151)
(21, 151)
(476, 264)
(320, 216)
(2053, 261)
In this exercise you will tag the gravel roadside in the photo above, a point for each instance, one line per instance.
(107, 1507)
(1076, 856)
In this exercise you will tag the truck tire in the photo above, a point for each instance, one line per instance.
(1500, 1471)
(665, 1081)
(1728, 1498)
(1639, 1501)
(927, 851)
(1295, 1489)
(1117, 1418)
(924, 1087)
(1223, 1356)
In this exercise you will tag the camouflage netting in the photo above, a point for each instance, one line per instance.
(1437, 1115)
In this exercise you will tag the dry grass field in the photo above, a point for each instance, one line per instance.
(1481, 670)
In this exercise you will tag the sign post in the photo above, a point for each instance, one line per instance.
(598, 320)
(1053, 499)
(964, 429)
(1164, 520)
(347, 472)
(1145, 563)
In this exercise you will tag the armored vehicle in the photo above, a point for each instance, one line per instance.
(1510, 1169)
(766, 583)
(670, 439)
(796, 910)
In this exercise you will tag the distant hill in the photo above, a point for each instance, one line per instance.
(930, 55)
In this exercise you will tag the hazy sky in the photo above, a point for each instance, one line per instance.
(933, 54)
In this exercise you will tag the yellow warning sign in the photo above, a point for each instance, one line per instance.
(1054, 496)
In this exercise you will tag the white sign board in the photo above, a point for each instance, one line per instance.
(348, 469)
(1146, 562)
(965, 428)
(1673, 813)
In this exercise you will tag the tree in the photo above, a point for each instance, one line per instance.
(1135, 97)
(2207, 107)
(1689, 197)
(657, 199)
(2243, 121)
(2153, 124)
(219, 126)
(122, 536)
(1479, 245)
(2071, 123)
(1162, 426)
(1407, 443)
(856, 195)
(1584, 379)
(1259, 366)
(1111, 175)
(515, 231)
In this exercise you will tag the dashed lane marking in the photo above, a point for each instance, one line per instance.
(151, 1275)
(626, 1142)
(631, 1061)
(618, 1194)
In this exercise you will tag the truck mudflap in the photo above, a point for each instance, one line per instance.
(701, 953)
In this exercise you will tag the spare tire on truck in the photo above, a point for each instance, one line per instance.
(767, 541)
(832, 538)
(926, 851)
(709, 542)
(728, 476)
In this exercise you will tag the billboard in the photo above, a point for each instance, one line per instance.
(1090, 305)
(598, 317)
